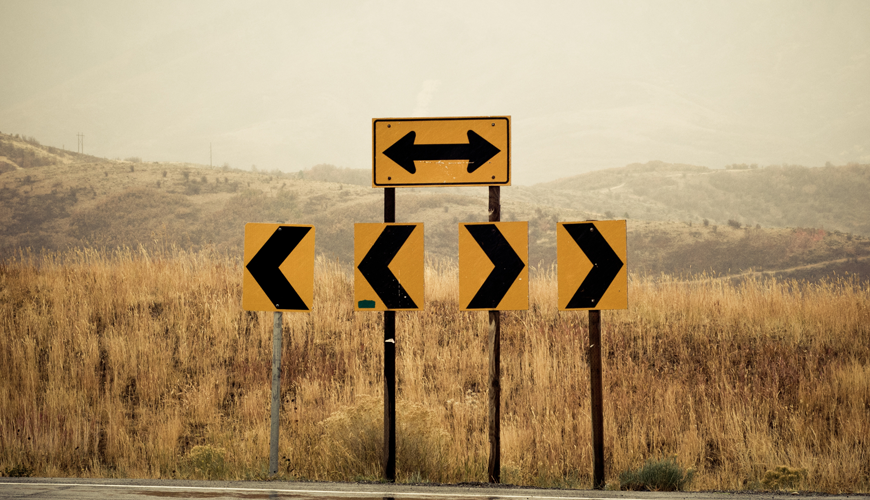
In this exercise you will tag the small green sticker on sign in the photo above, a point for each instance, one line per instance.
(366, 304)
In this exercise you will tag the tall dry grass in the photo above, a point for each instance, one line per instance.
(139, 365)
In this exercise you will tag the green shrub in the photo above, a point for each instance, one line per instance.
(353, 440)
(205, 462)
(18, 470)
(783, 477)
(656, 475)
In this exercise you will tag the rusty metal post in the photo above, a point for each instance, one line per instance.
(277, 333)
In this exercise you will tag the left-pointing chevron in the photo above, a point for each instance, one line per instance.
(375, 267)
(264, 267)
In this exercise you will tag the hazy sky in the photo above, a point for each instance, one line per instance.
(589, 84)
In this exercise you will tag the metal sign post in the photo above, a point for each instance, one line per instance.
(278, 276)
(277, 324)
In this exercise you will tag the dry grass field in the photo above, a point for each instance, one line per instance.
(135, 364)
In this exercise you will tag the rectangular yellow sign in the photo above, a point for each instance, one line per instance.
(494, 266)
(592, 264)
(388, 267)
(470, 151)
(279, 268)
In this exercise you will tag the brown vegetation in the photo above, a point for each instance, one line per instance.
(138, 364)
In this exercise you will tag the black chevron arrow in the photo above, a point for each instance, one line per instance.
(374, 267)
(264, 267)
(404, 152)
(508, 266)
(605, 265)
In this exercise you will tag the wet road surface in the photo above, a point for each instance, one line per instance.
(81, 489)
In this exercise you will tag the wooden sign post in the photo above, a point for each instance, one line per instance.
(591, 258)
(389, 455)
(596, 399)
(493, 277)
(493, 470)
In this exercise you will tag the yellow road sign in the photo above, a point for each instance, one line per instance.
(279, 268)
(494, 266)
(593, 271)
(470, 151)
(388, 267)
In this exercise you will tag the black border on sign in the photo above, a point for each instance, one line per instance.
(375, 152)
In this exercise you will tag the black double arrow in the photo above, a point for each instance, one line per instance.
(404, 152)
(605, 265)
(508, 266)
(264, 267)
(375, 267)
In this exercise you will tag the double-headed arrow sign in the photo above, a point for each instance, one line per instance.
(476, 152)
(591, 259)
(388, 274)
(441, 151)
(279, 268)
(493, 270)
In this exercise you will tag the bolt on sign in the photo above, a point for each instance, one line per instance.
(494, 266)
(388, 267)
(591, 259)
(471, 151)
(279, 268)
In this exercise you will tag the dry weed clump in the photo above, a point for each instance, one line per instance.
(133, 364)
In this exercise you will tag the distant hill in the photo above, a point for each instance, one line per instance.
(331, 173)
(52, 199)
(832, 197)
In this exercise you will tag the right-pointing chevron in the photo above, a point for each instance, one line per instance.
(508, 266)
(605, 265)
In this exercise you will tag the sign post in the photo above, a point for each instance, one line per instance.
(493, 469)
(277, 334)
(388, 459)
(470, 151)
(278, 276)
(596, 399)
(493, 277)
(591, 259)
(388, 276)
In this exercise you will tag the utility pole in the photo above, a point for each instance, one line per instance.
(209, 156)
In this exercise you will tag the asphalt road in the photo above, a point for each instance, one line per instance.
(128, 489)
